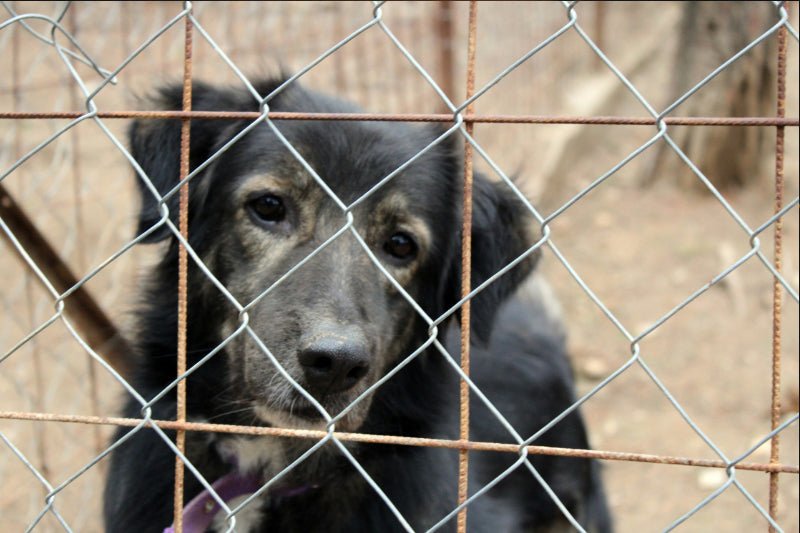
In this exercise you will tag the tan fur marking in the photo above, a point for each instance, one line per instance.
(390, 216)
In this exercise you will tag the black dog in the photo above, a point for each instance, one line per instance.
(337, 325)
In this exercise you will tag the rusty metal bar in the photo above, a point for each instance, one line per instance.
(777, 290)
(599, 31)
(124, 28)
(466, 272)
(444, 31)
(338, 30)
(398, 440)
(36, 355)
(363, 83)
(406, 96)
(90, 320)
(183, 267)
(80, 227)
(413, 117)
(163, 14)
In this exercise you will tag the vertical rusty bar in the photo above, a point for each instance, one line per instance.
(416, 13)
(163, 16)
(16, 93)
(230, 29)
(364, 48)
(466, 271)
(125, 29)
(285, 28)
(262, 43)
(36, 355)
(444, 30)
(398, 80)
(183, 266)
(777, 290)
(80, 230)
(391, 84)
(599, 31)
(339, 76)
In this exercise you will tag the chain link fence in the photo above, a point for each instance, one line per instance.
(555, 92)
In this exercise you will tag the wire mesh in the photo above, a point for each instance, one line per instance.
(61, 59)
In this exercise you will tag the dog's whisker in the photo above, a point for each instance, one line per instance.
(228, 413)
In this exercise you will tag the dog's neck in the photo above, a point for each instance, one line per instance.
(205, 510)
(251, 463)
(201, 511)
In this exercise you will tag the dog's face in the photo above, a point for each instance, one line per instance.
(337, 323)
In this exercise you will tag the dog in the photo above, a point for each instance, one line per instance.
(337, 325)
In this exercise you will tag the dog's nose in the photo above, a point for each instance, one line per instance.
(334, 364)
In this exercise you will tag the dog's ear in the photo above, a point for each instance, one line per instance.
(155, 145)
(502, 230)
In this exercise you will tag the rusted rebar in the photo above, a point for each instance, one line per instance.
(80, 228)
(36, 354)
(369, 438)
(777, 290)
(466, 272)
(183, 267)
(444, 31)
(412, 117)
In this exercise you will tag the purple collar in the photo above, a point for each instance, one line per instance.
(199, 513)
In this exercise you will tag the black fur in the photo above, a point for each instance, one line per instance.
(518, 361)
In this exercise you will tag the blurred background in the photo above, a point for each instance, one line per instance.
(643, 241)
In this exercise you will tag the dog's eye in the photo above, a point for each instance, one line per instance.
(268, 207)
(401, 245)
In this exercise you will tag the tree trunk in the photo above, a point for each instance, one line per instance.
(729, 156)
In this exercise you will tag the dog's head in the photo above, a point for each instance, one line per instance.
(336, 324)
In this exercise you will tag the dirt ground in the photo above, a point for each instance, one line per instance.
(713, 356)
(641, 250)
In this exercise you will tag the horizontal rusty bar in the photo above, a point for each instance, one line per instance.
(403, 441)
(412, 117)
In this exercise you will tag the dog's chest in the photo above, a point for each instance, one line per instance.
(248, 520)
(248, 455)
(251, 454)
(285, 502)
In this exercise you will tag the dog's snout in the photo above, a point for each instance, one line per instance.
(334, 363)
